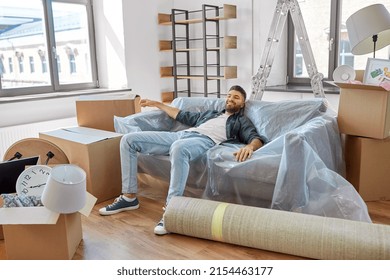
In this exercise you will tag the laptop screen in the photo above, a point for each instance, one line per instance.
(10, 171)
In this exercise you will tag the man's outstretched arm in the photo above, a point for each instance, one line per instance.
(171, 111)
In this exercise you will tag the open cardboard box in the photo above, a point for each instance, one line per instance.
(36, 233)
(95, 151)
(98, 111)
(364, 110)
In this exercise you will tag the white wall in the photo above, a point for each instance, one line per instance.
(15, 113)
(110, 43)
(141, 44)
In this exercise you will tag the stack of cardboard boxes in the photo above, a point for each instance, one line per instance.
(38, 233)
(93, 145)
(364, 121)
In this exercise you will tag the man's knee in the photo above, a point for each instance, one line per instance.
(127, 141)
(179, 148)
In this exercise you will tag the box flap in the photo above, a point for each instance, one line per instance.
(83, 135)
(74, 137)
(359, 86)
(102, 134)
(27, 216)
(91, 200)
(114, 96)
(38, 215)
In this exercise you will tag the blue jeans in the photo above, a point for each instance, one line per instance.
(182, 147)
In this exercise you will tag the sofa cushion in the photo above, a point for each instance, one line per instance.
(199, 104)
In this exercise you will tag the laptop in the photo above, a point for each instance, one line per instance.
(10, 171)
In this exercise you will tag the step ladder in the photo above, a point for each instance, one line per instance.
(259, 80)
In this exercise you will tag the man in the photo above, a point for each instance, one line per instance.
(208, 129)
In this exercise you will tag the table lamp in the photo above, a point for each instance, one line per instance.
(369, 29)
(65, 190)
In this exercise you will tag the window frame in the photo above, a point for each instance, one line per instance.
(334, 26)
(51, 60)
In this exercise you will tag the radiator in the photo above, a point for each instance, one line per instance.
(12, 134)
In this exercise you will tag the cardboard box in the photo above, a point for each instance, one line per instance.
(368, 166)
(97, 111)
(36, 233)
(364, 110)
(97, 152)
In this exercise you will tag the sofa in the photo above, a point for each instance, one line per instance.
(300, 168)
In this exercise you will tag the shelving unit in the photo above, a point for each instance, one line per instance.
(229, 72)
(184, 46)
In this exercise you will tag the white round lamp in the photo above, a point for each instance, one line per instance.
(65, 190)
(344, 73)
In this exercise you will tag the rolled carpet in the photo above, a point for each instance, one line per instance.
(291, 233)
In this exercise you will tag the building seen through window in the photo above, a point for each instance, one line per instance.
(24, 40)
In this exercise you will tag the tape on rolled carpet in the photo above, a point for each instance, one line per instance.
(279, 231)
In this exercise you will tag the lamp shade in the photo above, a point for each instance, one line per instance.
(65, 190)
(363, 24)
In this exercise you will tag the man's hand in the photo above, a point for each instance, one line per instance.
(243, 153)
(171, 111)
(246, 152)
(149, 103)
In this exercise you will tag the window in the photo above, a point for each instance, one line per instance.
(328, 37)
(2, 69)
(346, 57)
(20, 62)
(32, 66)
(72, 64)
(45, 30)
(10, 65)
(43, 64)
(59, 64)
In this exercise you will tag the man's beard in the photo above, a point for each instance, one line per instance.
(232, 108)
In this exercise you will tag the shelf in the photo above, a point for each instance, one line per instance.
(167, 97)
(229, 72)
(229, 42)
(229, 12)
(165, 45)
(166, 72)
(183, 47)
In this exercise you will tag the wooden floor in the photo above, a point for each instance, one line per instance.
(129, 235)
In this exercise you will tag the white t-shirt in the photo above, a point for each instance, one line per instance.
(214, 128)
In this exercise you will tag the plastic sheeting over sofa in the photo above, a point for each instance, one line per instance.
(300, 169)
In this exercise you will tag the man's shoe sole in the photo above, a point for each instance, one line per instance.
(107, 213)
(161, 233)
